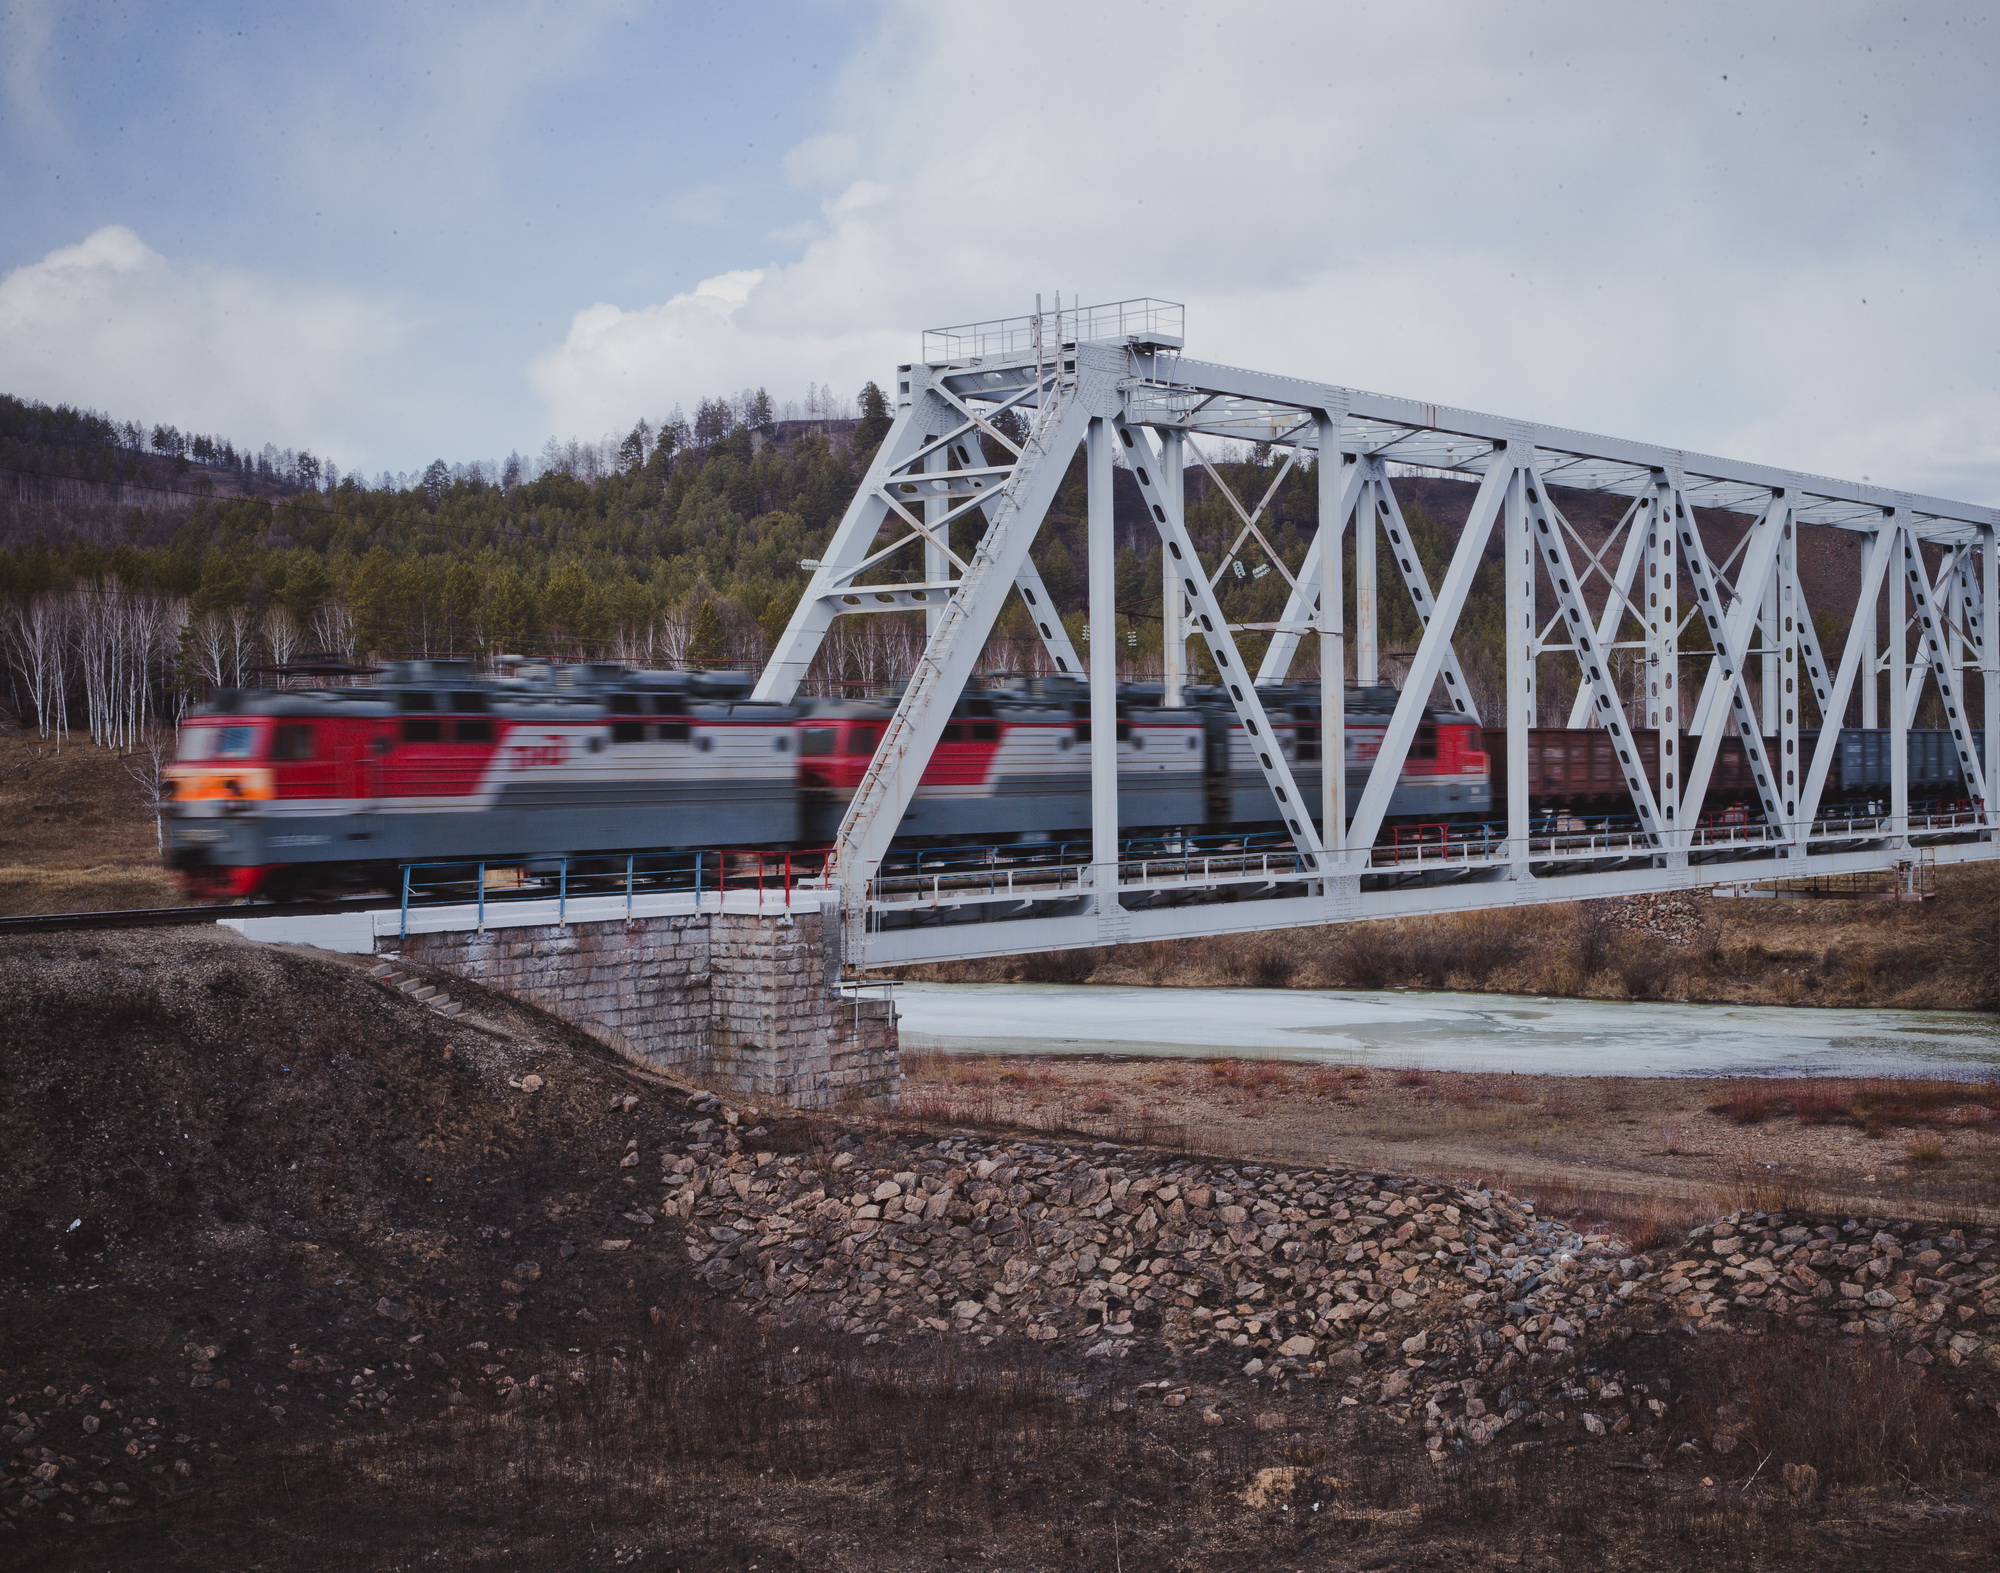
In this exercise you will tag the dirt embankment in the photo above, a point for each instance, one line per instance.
(1942, 954)
(302, 1274)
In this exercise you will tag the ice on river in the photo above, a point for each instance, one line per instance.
(1468, 1032)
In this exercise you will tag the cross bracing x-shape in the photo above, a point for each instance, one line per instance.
(988, 424)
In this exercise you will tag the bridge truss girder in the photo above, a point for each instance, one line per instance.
(1112, 380)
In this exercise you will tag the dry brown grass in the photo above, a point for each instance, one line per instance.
(75, 832)
(1942, 954)
(1745, 1105)
(1872, 1103)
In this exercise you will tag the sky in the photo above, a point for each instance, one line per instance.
(398, 232)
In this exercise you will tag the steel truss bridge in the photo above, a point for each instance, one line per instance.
(1113, 379)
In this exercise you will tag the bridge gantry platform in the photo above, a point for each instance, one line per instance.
(986, 425)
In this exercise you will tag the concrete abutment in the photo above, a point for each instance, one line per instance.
(746, 1003)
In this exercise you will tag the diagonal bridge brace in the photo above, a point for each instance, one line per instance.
(902, 472)
(1548, 528)
(950, 655)
(1145, 463)
(1371, 501)
(1931, 641)
(1731, 635)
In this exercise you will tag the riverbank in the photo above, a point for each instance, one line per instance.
(1643, 1155)
(1941, 954)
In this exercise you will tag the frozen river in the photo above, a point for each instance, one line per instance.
(1468, 1032)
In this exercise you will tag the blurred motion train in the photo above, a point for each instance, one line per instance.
(281, 794)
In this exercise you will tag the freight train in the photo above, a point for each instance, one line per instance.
(286, 793)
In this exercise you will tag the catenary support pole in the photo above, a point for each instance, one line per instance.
(1785, 631)
(1871, 672)
(1767, 657)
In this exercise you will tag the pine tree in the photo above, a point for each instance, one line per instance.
(375, 599)
(437, 476)
(512, 620)
(874, 423)
(305, 585)
(221, 585)
(705, 646)
(569, 607)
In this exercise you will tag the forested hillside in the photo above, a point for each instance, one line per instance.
(180, 564)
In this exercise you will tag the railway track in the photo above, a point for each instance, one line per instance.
(181, 917)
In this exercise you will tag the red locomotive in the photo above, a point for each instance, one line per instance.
(285, 793)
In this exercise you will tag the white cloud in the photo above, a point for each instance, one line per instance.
(112, 324)
(823, 159)
(1657, 223)
(617, 365)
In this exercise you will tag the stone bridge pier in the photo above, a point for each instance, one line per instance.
(733, 994)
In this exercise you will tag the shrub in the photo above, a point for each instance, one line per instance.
(1643, 971)
(1327, 1081)
(1818, 1105)
(1274, 967)
(1744, 1105)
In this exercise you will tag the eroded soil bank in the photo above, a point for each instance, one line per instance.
(302, 1274)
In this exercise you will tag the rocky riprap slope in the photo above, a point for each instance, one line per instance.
(1452, 1307)
(1456, 1305)
(1934, 1292)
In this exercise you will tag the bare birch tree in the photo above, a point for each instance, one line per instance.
(36, 632)
(283, 637)
(331, 630)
